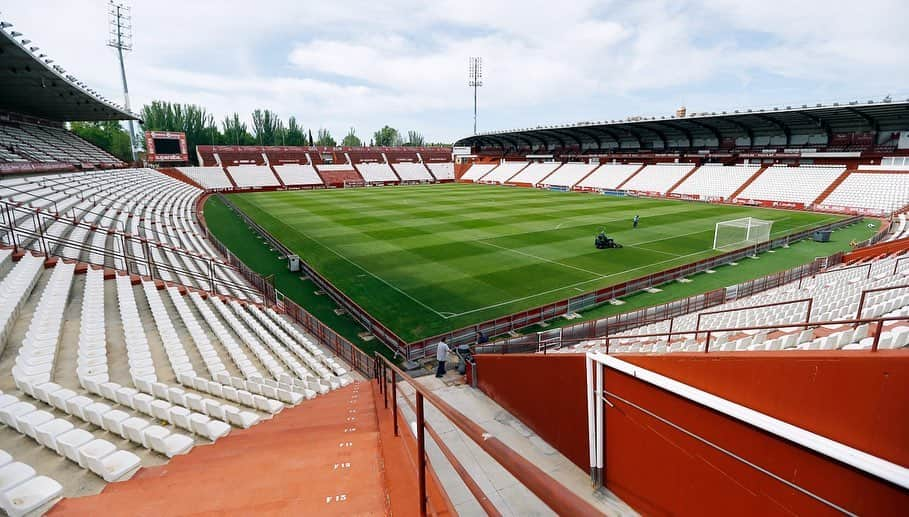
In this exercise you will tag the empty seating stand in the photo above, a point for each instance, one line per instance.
(836, 295)
(608, 176)
(476, 171)
(298, 175)
(377, 173)
(253, 176)
(715, 182)
(23, 491)
(503, 172)
(412, 171)
(442, 171)
(877, 192)
(534, 173)
(799, 186)
(568, 175)
(209, 177)
(658, 179)
(33, 143)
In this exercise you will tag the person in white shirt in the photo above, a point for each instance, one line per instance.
(441, 356)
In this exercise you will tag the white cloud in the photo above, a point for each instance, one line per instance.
(401, 62)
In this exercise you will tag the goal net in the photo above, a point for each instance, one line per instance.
(738, 233)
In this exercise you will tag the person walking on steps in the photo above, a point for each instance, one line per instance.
(634, 222)
(441, 356)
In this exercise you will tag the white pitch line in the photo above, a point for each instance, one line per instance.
(614, 274)
(531, 255)
(575, 284)
(370, 273)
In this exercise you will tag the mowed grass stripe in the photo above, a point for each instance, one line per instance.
(428, 259)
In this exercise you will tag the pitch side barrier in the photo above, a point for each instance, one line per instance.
(343, 348)
(425, 348)
(621, 322)
(526, 318)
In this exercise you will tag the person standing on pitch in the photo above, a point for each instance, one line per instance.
(634, 222)
(441, 356)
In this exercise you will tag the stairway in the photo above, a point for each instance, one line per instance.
(229, 177)
(830, 188)
(622, 184)
(685, 177)
(749, 181)
(277, 177)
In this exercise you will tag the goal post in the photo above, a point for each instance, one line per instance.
(738, 233)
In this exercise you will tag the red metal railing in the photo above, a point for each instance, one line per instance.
(550, 491)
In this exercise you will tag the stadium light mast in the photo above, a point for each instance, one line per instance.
(475, 80)
(121, 38)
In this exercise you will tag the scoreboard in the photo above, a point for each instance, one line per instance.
(165, 146)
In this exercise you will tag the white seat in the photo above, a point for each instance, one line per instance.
(116, 466)
(59, 398)
(47, 432)
(242, 419)
(13, 474)
(179, 416)
(12, 412)
(142, 403)
(133, 427)
(31, 497)
(169, 444)
(68, 443)
(94, 413)
(42, 391)
(269, 405)
(28, 422)
(205, 426)
(94, 450)
(160, 409)
(75, 405)
(113, 421)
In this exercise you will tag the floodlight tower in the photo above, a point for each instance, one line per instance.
(475, 79)
(121, 38)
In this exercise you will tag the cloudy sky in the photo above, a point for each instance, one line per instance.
(343, 63)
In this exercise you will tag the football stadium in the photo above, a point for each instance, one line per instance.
(689, 313)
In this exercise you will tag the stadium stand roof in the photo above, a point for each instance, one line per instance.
(31, 84)
(644, 132)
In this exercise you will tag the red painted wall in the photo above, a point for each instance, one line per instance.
(858, 398)
(547, 393)
(658, 469)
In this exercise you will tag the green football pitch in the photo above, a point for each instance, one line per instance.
(428, 259)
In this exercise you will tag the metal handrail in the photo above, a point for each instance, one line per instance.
(697, 327)
(550, 491)
(813, 324)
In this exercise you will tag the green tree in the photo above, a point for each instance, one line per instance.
(235, 132)
(265, 126)
(352, 140)
(415, 139)
(387, 137)
(325, 138)
(294, 133)
(311, 141)
(108, 135)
